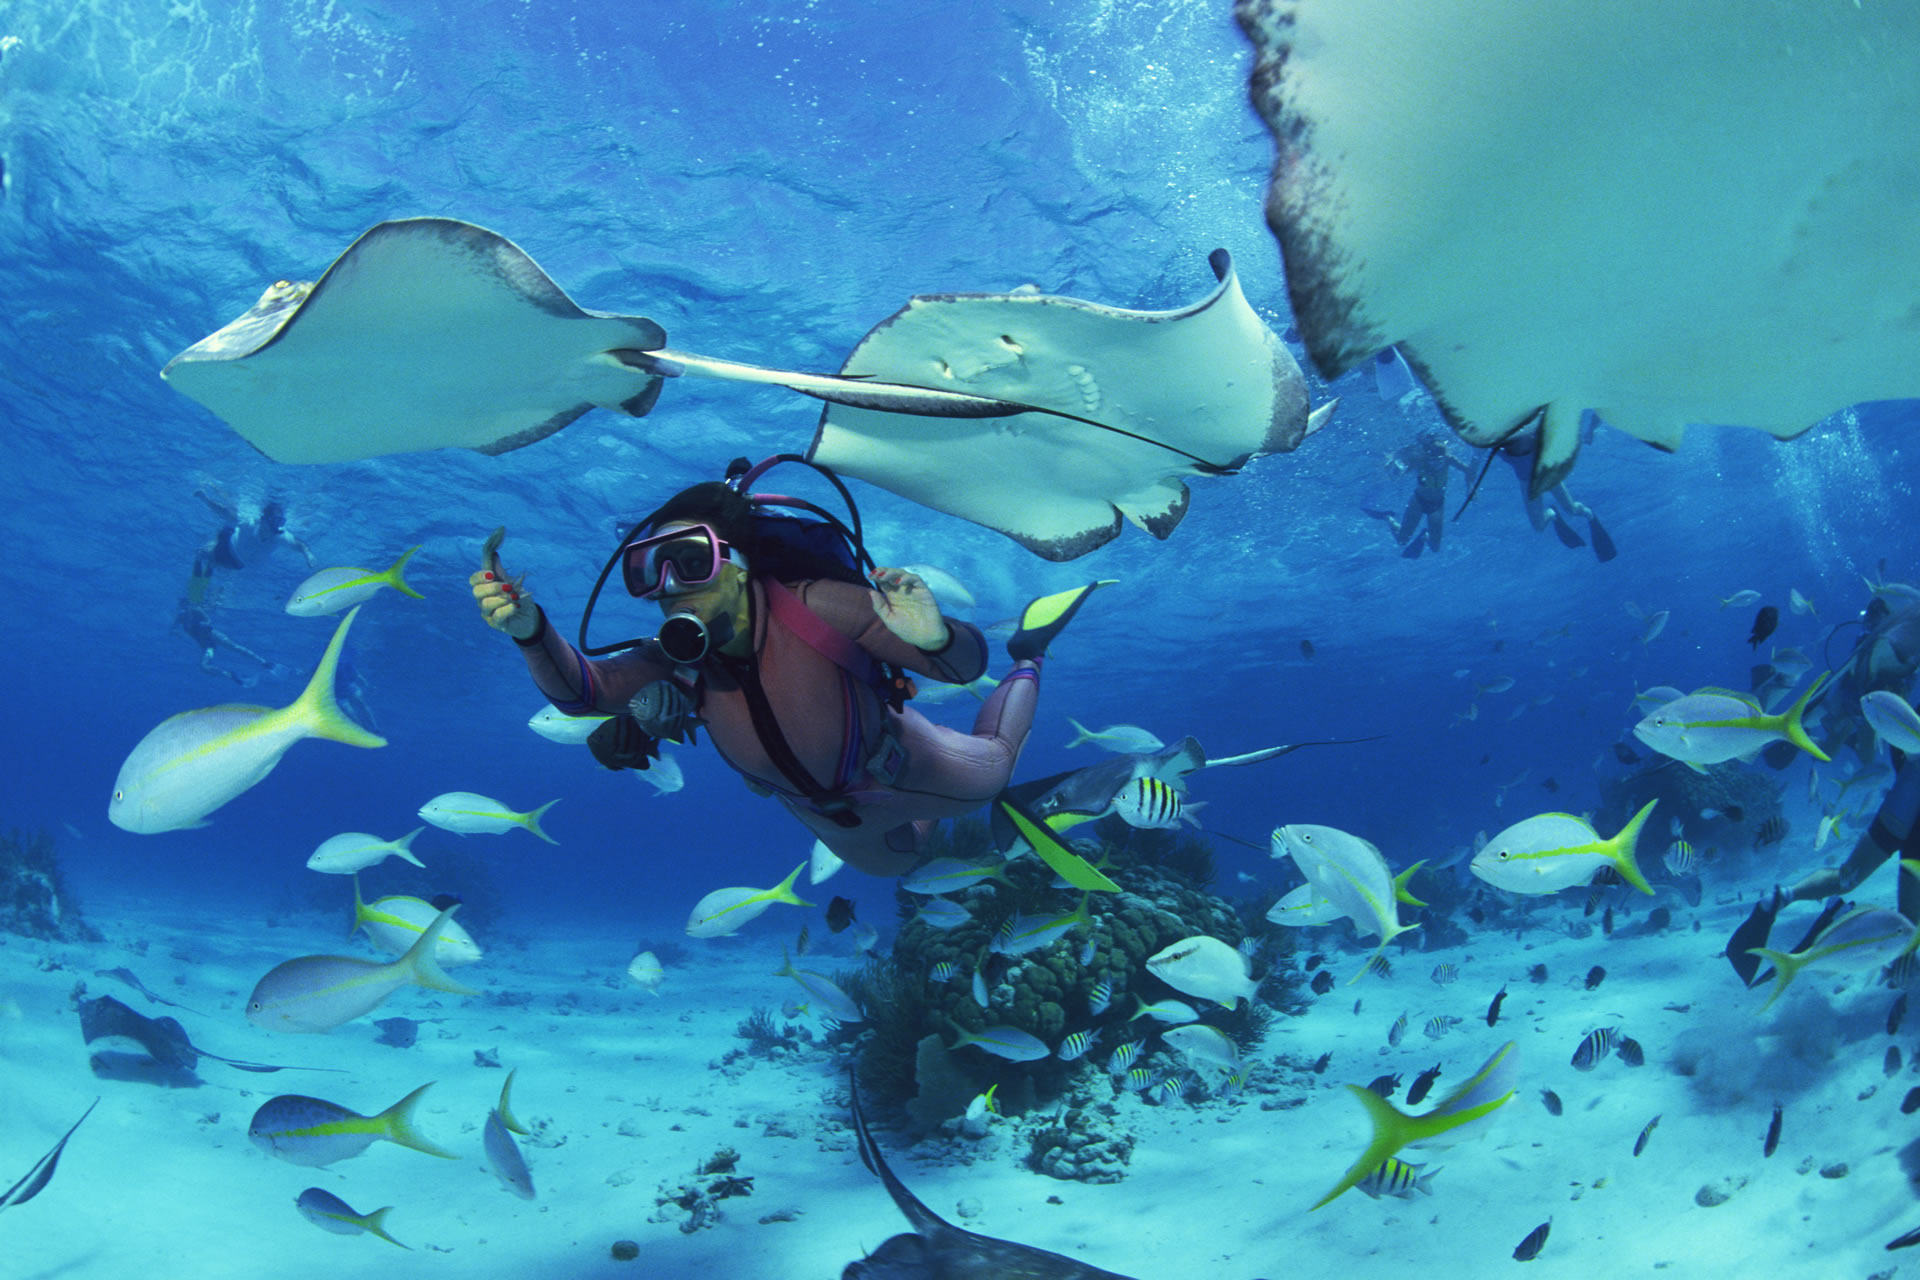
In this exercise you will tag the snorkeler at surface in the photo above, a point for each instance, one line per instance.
(246, 537)
(781, 653)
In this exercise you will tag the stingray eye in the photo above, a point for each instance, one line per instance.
(255, 1007)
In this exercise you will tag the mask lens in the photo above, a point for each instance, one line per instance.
(694, 556)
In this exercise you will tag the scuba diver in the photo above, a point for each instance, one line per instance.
(1894, 832)
(1517, 451)
(789, 646)
(1430, 460)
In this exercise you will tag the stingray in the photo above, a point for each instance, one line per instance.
(1068, 799)
(119, 1039)
(1046, 418)
(1665, 213)
(42, 1172)
(938, 1250)
(1199, 390)
(132, 979)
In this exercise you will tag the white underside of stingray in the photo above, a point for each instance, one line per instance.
(1043, 417)
(1200, 390)
(1668, 213)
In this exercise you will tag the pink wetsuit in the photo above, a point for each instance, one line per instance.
(833, 722)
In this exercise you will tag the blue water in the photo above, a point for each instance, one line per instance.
(767, 183)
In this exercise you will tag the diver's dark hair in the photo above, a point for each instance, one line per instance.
(711, 502)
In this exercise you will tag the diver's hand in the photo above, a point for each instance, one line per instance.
(506, 604)
(904, 603)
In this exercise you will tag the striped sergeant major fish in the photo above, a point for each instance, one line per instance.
(1595, 1047)
(1395, 1177)
(1151, 804)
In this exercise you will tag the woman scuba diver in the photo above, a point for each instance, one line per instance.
(774, 644)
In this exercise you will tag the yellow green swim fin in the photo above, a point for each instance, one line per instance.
(1047, 617)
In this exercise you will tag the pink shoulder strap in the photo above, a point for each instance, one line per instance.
(830, 644)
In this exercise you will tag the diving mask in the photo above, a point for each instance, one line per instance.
(677, 559)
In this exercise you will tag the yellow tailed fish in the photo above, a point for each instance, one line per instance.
(1454, 1119)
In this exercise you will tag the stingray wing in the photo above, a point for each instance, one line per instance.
(426, 333)
(1665, 213)
(1138, 399)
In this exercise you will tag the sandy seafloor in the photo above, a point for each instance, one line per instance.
(623, 1088)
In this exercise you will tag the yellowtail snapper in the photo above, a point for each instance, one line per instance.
(1536, 1240)
(1461, 1115)
(330, 1213)
(315, 1132)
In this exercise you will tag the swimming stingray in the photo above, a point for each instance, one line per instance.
(1665, 213)
(1082, 795)
(938, 1250)
(113, 1031)
(1046, 418)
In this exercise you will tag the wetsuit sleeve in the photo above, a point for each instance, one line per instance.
(581, 686)
(848, 609)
